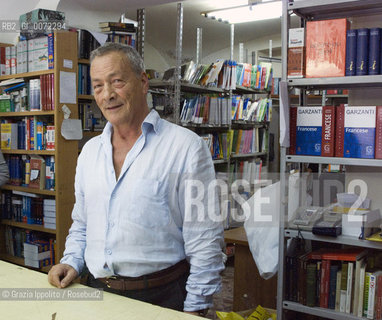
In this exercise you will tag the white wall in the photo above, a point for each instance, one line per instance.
(254, 45)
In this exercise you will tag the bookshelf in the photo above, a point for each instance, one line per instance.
(177, 88)
(65, 152)
(363, 91)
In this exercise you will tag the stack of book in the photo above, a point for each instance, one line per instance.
(37, 254)
(119, 32)
(341, 131)
(50, 213)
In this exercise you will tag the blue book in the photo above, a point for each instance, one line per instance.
(332, 287)
(351, 52)
(374, 50)
(362, 52)
(359, 137)
(309, 131)
(50, 51)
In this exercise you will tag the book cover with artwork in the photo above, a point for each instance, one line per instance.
(326, 48)
(359, 134)
(309, 131)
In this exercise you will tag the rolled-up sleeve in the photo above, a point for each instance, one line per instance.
(202, 228)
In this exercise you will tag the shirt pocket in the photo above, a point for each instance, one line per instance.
(149, 205)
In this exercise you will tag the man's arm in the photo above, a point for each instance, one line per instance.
(202, 228)
(61, 275)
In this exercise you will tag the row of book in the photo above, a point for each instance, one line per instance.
(254, 76)
(84, 82)
(29, 133)
(246, 109)
(206, 109)
(342, 131)
(87, 42)
(28, 208)
(329, 48)
(34, 95)
(33, 171)
(345, 280)
(226, 74)
(36, 248)
(91, 117)
(363, 52)
(222, 145)
(27, 56)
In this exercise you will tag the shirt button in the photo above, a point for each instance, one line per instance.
(112, 224)
(108, 251)
(113, 195)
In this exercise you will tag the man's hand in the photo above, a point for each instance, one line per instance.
(61, 275)
(201, 313)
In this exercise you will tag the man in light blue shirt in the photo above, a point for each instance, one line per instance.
(146, 222)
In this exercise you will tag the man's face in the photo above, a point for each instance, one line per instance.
(118, 91)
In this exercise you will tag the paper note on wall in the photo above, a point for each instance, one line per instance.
(68, 90)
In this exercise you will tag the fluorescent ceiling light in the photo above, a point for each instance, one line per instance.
(256, 12)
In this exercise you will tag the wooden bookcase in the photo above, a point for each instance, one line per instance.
(65, 153)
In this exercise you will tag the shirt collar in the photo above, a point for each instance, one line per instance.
(152, 121)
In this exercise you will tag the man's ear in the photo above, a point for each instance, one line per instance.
(145, 82)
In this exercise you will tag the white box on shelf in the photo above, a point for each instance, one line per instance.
(361, 223)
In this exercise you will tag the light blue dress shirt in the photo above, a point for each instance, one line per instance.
(140, 223)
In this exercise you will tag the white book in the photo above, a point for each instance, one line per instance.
(370, 303)
(361, 289)
(349, 287)
(36, 256)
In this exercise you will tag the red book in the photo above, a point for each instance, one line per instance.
(348, 254)
(378, 298)
(378, 134)
(328, 125)
(51, 85)
(326, 48)
(324, 284)
(292, 130)
(340, 127)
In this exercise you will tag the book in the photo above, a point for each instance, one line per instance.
(374, 51)
(349, 287)
(344, 283)
(326, 48)
(362, 52)
(332, 286)
(338, 290)
(378, 133)
(9, 136)
(359, 131)
(296, 53)
(37, 176)
(328, 128)
(361, 291)
(311, 285)
(351, 52)
(309, 131)
(340, 127)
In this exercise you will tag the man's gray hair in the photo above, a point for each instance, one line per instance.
(132, 55)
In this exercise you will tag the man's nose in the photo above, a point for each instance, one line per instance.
(109, 92)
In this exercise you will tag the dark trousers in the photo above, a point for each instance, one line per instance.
(171, 295)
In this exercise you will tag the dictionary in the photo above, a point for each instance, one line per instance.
(359, 132)
(309, 131)
(328, 126)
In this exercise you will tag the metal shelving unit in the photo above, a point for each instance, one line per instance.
(317, 10)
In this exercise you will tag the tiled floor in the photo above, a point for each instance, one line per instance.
(223, 301)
